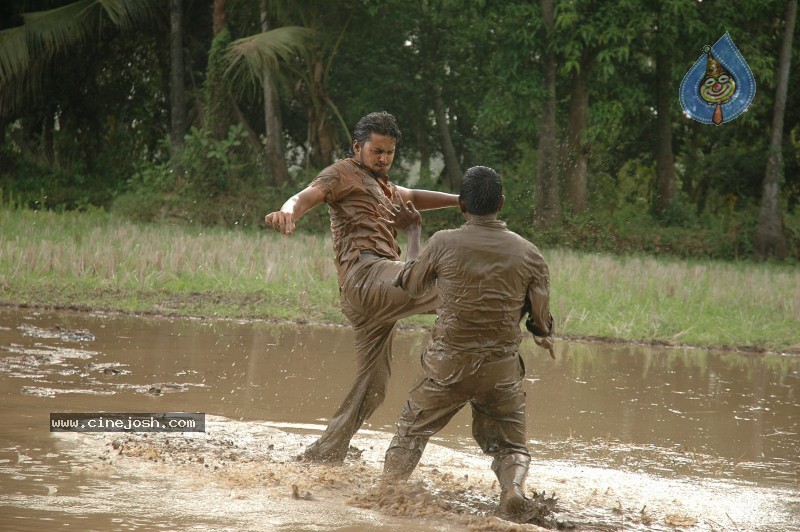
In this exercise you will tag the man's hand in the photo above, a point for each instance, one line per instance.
(403, 215)
(282, 222)
(545, 342)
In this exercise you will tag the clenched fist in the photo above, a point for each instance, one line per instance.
(282, 222)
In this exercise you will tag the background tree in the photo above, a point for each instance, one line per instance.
(665, 98)
(86, 110)
(218, 110)
(769, 239)
(273, 124)
(257, 60)
(69, 96)
(177, 85)
(309, 74)
(596, 39)
(548, 204)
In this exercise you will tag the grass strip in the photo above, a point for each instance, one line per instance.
(97, 261)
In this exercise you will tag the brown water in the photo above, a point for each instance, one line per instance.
(627, 437)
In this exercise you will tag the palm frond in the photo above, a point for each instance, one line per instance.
(44, 34)
(251, 57)
(14, 53)
(60, 27)
(127, 14)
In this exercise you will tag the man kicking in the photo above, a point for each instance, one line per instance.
(366, 209)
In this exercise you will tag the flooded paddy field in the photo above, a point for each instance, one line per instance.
(624, 437)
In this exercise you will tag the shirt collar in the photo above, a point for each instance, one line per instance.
(483, 222)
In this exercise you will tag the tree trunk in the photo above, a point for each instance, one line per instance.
(177, 87)
(219, 19)
(769, 239)
(275, 155)
(548, 208)
(218, 112)
(4, 161)
(48, 143)
(424, 154)
(323, 132)
(452, 167)
(325, 138)
(665, 159)
(252, 136)
(577, 165)
(312, 91)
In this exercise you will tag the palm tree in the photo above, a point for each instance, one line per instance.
(26, 50)
(309, 74)
(256, 60)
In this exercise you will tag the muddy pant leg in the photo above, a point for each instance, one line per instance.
(498, 426)
(500, 433)
(372, 304)
(429, 408)
(498, 413)
(373, 348)
(369, 295)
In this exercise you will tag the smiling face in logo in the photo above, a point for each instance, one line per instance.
(717, 89)
(718, 85)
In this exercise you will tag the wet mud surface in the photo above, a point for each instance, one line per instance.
(622, 438)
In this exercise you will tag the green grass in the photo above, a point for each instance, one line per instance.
(96, 261)
(676, 301)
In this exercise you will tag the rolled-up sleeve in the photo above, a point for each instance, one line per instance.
(334, 183)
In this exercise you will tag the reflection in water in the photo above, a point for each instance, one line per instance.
(706, 409)
(641, 412)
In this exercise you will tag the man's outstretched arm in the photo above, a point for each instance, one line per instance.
(425, 200)
(293, 209)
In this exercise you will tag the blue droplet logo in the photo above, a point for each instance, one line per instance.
(720, 85)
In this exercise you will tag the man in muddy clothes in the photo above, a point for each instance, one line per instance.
(487, 278)
(366, 209)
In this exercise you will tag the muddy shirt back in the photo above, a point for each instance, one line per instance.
(484, 273)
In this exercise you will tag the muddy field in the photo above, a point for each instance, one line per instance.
(622, 437)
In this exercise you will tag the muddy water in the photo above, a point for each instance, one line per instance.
(626, 437)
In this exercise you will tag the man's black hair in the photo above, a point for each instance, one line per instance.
(481, 190)
(381, 123)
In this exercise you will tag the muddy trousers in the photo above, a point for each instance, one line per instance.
(498, 420)
(372, 304)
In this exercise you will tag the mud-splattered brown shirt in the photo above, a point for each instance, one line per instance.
(484, 274)
(353, 195)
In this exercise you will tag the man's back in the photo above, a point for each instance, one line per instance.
(484, 273)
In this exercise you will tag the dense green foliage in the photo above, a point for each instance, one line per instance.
(87, 123)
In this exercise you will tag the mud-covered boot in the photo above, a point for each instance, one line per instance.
(324, 453)
(399, 463)
(511, 471)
